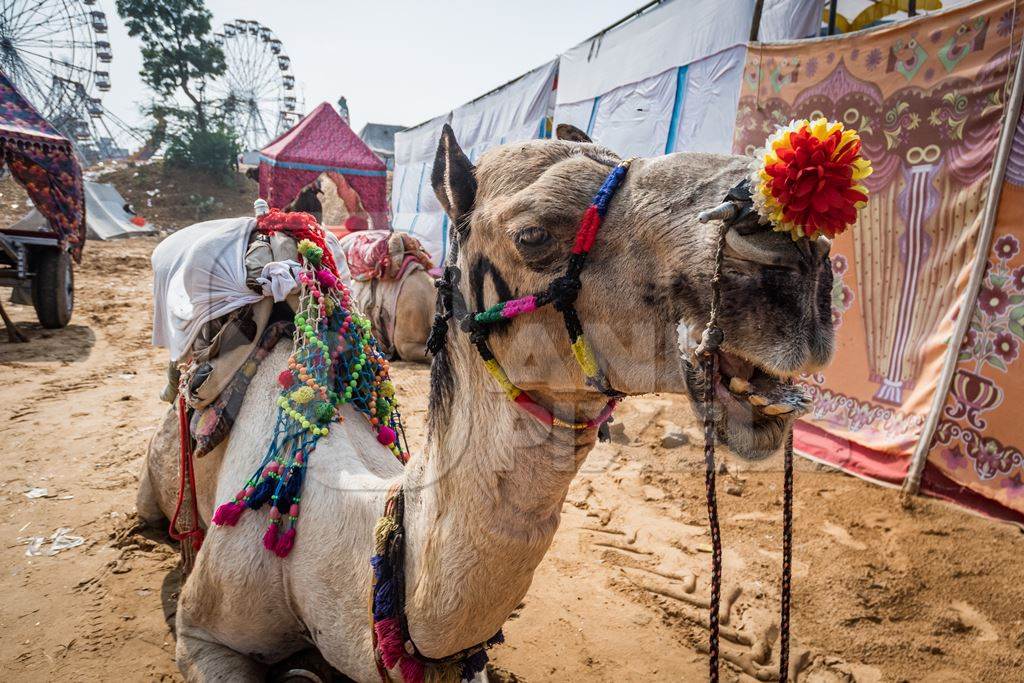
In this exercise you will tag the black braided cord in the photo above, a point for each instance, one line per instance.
(787, 559)
(706, 352)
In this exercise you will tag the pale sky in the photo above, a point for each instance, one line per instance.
(397, 61)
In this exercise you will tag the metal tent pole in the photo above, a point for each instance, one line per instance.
(912, 482)
(755, 25)
(833, 10)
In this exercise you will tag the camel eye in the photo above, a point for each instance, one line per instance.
(532, 237)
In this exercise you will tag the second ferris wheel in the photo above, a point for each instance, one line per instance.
(256, 93)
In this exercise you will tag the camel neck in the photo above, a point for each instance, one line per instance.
(482, 505)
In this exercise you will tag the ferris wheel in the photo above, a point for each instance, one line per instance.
(55, 52)
(256, 91)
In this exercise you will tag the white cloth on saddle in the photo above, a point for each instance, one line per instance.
(278, 279)
(199, 276)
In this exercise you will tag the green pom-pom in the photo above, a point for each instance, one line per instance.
(324, 412)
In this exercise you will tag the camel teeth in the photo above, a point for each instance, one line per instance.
(758, 400)
(740, 386)
(777, 409)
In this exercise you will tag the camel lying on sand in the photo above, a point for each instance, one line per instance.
(482, 502)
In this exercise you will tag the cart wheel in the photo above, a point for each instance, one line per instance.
(53, 288)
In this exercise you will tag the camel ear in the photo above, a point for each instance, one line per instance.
(567, 131)
(453, 179)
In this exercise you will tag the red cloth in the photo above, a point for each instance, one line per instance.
(383, 254)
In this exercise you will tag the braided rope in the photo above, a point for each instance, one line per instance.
(706, 351)
(787, 559)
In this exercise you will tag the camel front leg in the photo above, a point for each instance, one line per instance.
(204, 661)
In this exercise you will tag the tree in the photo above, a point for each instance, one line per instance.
(178, 53)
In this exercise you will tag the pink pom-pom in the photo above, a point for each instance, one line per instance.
(386, 435)
(228, 514)
(412, 670)
(286, 379)
(389, 641)
(270, 538)
(327, 278)
(285, 542)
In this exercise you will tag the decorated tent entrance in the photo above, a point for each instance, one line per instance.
(323, 142)
(928, 299)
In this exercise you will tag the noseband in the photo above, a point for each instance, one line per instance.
(560, 293)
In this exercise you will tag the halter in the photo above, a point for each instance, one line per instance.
(560, 293)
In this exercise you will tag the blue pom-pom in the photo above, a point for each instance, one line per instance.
(384, 604)
(379, 566)
(262, 494)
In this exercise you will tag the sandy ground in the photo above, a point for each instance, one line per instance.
(881, 593)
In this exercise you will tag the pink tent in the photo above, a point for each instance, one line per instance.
(322, 141)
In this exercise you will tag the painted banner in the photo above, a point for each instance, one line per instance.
(975, 455)
(927, 96)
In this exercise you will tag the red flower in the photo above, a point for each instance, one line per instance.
(1006, 347)
(993, 300)
(813, 181)
(1018, 277)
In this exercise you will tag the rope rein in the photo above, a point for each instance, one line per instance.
(706, 352)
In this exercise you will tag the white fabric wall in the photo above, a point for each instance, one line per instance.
(634, 120)
(517, 111)
(669, 80)
(711, 93)
(414, 206)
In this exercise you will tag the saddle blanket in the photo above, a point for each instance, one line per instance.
(383, 254)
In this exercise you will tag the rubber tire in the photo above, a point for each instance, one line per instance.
(53, 288)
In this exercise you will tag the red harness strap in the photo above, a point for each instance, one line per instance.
(186, 473)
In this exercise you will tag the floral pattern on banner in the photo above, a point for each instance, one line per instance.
(927, 97)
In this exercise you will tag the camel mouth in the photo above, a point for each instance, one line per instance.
(753, 406)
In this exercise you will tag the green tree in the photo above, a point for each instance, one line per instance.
(178, 52)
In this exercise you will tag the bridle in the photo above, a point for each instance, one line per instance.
(736, 207)
(561, 293)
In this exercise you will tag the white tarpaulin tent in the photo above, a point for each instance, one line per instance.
(105, 215)
(519, 110)
(669, 79)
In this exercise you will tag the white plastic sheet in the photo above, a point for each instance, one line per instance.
(669, 80)
(415, 209)
(517, 111)
(707, 115)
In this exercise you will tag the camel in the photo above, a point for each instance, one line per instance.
(401, 327)
(483, 500)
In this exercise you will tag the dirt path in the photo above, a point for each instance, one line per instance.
(882, 594)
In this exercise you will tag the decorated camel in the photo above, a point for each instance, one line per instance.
(393, 286)
(549, 237)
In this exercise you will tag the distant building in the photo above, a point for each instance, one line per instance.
(380, 137)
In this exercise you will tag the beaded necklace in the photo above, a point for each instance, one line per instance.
(334, 361)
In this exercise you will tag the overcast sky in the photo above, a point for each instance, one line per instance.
(397, 61)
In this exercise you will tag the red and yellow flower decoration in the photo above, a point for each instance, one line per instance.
(809, 180)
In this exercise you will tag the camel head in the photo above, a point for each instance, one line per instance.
(646, 288)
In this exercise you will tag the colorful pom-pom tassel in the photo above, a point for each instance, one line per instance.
(228, 513)
(285, 542)
(286, 379)
(386, 435)
(270, 537)
(411, 670)
(389, 641)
